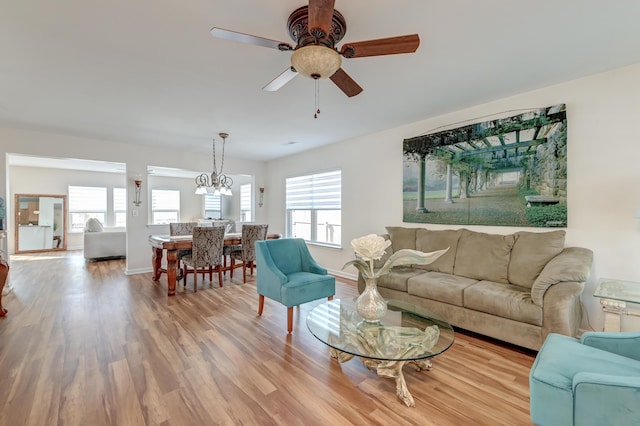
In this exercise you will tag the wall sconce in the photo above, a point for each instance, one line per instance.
(138, 187)
(261, 200)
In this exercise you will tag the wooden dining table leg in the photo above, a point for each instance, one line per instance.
(156, 262)
(172, 265)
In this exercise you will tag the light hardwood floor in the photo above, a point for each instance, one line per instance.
(84, 344)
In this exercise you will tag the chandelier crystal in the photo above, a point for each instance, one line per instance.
(217, 183)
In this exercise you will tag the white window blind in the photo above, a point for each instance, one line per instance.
(314, 207)
(87, 199)
(119, 199)
(318, 191)
(212, 202)
(120, 206)
(245, 203)
(165, 206)
(165, 199)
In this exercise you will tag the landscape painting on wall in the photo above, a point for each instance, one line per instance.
(509, 171)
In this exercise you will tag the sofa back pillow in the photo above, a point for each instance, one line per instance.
(483, 256)
(402, 238)
(428, 241)
(531, 252)
(93, 225)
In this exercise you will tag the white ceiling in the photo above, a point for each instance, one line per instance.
(149, 72)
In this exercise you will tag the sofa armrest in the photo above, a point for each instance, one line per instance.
(604, 399)
(562, 309)
(622, 343)
(573, 264)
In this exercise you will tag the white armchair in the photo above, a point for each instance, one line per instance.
(101, 243)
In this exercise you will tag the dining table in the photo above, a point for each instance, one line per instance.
(171, 244)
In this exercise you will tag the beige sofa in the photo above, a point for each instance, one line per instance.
(517, 288)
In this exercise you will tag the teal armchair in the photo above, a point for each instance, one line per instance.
(591, 381)
(288, 274)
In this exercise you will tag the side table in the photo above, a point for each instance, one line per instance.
(614, 296)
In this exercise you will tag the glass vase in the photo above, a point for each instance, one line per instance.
(370, 305)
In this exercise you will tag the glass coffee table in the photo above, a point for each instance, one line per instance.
(407, 334)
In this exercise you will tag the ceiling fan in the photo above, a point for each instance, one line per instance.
(316, 29)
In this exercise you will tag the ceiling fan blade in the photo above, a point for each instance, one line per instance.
(345, 83)
(280, 80)
(381, 46)
(320, 15)
(249, 39)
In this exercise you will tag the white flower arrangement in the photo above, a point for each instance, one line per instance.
(372, 247)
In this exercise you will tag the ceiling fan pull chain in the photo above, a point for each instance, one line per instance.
(315, 115)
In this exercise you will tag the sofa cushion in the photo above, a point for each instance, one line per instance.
(438, 286)
(531, 252)
(483, 256)
(402, 238)
(397, 279)
(93, 225)
(428, 241)
(503, 300)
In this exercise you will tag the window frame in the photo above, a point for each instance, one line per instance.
(314, 193)
(155, 200)
(98, 213)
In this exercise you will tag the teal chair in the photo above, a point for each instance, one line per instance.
(594, 380)
(288, 274)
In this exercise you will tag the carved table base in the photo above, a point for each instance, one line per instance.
(390, 370)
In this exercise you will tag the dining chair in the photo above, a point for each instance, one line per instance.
(246, 252)
(182, 228)
(206, 254)
(288, 274)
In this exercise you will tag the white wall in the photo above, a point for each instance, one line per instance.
(136, 158)
(603, 174)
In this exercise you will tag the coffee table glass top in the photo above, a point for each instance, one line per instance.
(407, 332)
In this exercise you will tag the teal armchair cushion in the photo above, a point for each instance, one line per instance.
(574, 383)
(288, 274)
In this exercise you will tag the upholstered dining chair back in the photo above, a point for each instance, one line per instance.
(207, 246)
(182, 228)
(206, 252)
(246, 252)
(251, 234)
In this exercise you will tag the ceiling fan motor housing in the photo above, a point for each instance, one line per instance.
(298, 24)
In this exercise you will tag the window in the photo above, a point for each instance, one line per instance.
(212, 206)
(245, 203)
(120, 206)
(314, 207)
(86, 202)
(165, 206)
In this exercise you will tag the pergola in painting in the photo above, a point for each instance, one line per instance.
(501, 143)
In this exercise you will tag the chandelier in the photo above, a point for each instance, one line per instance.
(217, 183)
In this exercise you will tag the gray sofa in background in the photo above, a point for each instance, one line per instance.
(517, 288)
(101, 243)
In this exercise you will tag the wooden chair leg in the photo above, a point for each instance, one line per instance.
(244, 272)
(289, 320)
(195, 278)
(260, 304)
(220, 275)
(233, 264)
(330, 297)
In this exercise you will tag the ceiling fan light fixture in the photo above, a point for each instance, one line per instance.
(316, 61)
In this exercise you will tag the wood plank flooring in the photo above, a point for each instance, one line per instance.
(84, 344)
